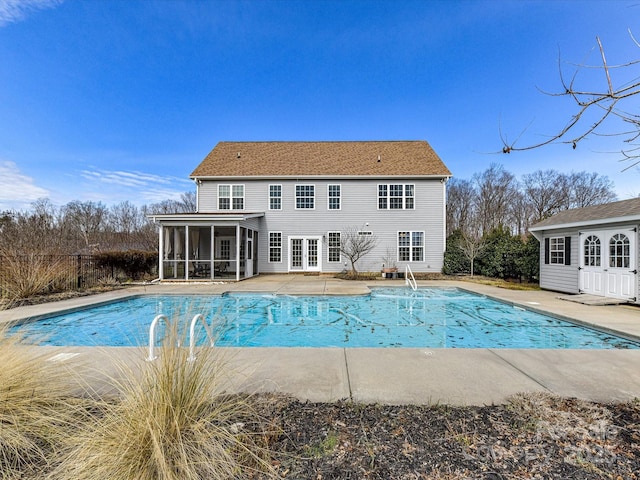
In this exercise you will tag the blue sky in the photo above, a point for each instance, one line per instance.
(113, 100)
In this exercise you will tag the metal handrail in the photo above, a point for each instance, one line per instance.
(152, 336)
(192, 337)
(409, 279)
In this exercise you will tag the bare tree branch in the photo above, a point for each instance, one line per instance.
(606, 101)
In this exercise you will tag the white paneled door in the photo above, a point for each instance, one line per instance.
(608, 263)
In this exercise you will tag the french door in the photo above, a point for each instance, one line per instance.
(305, 254)
(607, 264)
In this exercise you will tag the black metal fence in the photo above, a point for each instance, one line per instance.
(52, 273)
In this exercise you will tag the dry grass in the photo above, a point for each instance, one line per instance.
(25, 276)
(170, 421)
(35, 411)
(499, 283)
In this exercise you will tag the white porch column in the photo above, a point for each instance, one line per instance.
(238, 240)
(160, 253)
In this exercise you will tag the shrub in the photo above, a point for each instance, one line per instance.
(35, 413)
(133, 263)
(528, 262)
(170, 422)
(455, 260)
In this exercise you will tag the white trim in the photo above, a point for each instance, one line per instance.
(606, 280)
(411, 246)
(444, 217)
(295, 196)
(329, 197)
(305, 250)
(269, 196)
(204, 217)
(329, 246)
(560, 251)
(388, 196)
(269, 247)
(231, 197)
(319, 177)
(586, 223)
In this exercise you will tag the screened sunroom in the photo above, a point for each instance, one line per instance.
(207, 247)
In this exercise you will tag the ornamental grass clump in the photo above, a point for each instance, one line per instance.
(26, 275)
(35, 410)
(169, 421)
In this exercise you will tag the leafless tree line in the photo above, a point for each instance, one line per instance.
(85, 226)
(496, 198)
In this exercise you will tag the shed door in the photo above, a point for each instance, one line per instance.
(621, 268)
(608, 263)
(591, 273)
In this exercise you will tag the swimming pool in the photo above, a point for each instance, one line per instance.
(388, 317)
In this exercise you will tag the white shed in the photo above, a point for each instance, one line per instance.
(593, 250)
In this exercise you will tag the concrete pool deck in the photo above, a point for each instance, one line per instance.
(398, 375)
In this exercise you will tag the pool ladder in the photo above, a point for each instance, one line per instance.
(192, 338)
(409, 279)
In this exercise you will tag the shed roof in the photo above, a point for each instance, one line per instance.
(301, 159)
(595, 214)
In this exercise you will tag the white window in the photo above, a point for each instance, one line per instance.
(592, 252)
(275, 197)
(334, 197)
(556, 250)
(275, 247)
(411, 246)
(396, 197)
(619, 252)
(305, 196)
(334, 247)
(225, 249)
(230, 197)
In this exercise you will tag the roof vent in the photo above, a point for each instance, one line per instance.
(238, 155)
(378, 158)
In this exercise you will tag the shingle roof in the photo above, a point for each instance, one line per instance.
(293, 159)
(595, 213)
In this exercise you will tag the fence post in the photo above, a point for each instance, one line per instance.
(79, 270)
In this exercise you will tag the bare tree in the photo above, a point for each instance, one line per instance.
(124, 217)
(471, 246)
(611, 102)
(34, 231)
(188, 201)
(588, 189)
(186, 204)
(355, 243)
(547, 192)
(461, 199)
(521, 213)
(88, 218)
(495, 187)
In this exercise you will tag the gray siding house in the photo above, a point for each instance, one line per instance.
(593, 250)
(280, 207)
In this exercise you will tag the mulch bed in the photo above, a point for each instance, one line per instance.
(56, 297)
(532, 436)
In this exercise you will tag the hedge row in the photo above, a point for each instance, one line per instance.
(503, 256)
(134, 264)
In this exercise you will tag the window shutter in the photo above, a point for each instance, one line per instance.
(567, 250)
(546, 251)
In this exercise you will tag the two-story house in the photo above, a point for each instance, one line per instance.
(279, 207)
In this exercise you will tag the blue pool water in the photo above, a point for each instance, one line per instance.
(389, 317)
